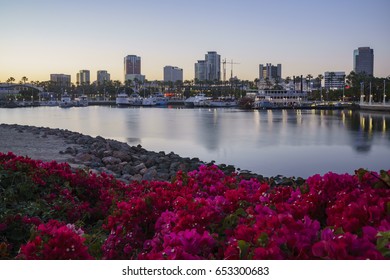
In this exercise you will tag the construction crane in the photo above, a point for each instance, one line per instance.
(224, 62)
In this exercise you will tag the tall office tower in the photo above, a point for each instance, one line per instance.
(102, 75)
(334, 80)
(201, 70)
(173, 74)
(363, 61)
(62, 80)
(132, 68)
(210, 68)
(213, 66)
(270, 71)
(83, 77)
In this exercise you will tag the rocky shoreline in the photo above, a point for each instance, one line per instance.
(97, 154)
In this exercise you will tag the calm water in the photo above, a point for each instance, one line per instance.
(287, 142)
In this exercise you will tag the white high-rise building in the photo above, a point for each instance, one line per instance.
(210, 68)
(83, 77)
(61, 80)
(102, 75)
(173, 74)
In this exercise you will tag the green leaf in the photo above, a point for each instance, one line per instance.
(244, 248)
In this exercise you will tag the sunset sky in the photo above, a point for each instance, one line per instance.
(42, 37)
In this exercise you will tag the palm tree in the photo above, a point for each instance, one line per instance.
(309, 77)
(24, 79)
(10, 80)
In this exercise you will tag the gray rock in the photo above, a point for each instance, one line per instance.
(111, 160)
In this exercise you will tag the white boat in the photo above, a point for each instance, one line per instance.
(279, 98)
(222, 102)
(149, 101)
(157, 99)
(196, 101)
(122, 99)
(66, 101)
(81, 101)
(135, 99)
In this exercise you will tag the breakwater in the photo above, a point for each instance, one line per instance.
(97, 154)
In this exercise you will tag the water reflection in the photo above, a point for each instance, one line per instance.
(288, 142)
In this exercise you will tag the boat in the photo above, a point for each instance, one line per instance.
(271, 98)
(222, 102)
(149, 101)
(197, 100)
(66, 101)
(122, 100)
(135, 99)
(157, 99)
(81, 101)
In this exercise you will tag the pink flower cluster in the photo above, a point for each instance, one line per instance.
(203, 214)
(206, 214)
(55, 241)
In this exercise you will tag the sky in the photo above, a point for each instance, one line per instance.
(43, 37)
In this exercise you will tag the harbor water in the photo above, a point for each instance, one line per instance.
(268, 142)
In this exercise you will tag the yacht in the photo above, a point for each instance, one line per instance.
(157, 99)
(222, 102)
(196, 101)
(66, 101)
(81, 101)
(135, 99)
(122, 100)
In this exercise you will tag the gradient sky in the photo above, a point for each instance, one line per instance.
(41, 37)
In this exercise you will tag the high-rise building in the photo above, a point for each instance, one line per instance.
(213, 66)
(270, 71)
(334, 80)
(173, 74)
(61, 80)
(363, 61)
(132, 68)
(210, 68)
(83, 77)
(102, 75)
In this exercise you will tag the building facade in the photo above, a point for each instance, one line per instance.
(270, 71)
(102, 76)
(210, 68)
(173, 74)
(61, 80)
(83, 77)
(363, 61)
(334, 80)
(132, 68)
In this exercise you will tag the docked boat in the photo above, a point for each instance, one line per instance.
(222, 102)
(66, 101)
(279, 99)
(82, 101)
(157, 99)
(135, 99)
(122, 100)
(197, 100)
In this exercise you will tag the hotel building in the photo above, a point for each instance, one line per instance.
(173, 74)
(132, 68)
(363, 61)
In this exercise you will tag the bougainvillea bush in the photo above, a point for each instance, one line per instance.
(49, 211)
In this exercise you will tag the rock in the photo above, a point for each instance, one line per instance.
(110, 160)
(137, 177)
(122, 155)
(139, 167)
(150, 175)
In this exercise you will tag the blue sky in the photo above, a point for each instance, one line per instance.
(307, 37)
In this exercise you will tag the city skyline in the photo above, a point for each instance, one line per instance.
(306, 37)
